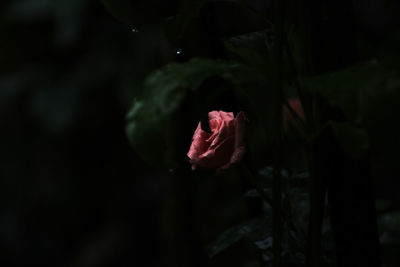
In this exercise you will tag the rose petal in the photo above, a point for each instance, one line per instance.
(295, 104)
(221, 123)
(214, 124)
(217, 156)
(219, 135)
(288, 119)
(231, 127)
(240, 127)
(237, 155)
(199, 144)
(226, 116)
(224, 146)
(214, 115)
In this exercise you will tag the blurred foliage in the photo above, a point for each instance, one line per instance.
(70, 185)
(367, 95)
(131, 12)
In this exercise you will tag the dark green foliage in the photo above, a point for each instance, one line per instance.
(253, 229)
(253, 48)
(389, 223)
(121, 9)
(366, 96)
(352, 89)
(352, 140)
(188, 12)
(257, 232)
(138, 13)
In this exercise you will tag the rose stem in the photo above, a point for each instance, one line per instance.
(257, 186)
(277, 124)
(316, 186)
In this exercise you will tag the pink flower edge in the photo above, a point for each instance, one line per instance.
(222, 147)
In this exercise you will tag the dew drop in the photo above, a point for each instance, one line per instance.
(179, 51)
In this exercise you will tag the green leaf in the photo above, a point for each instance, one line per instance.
(202, 19)
(121, 9)
(189, 11)
(351, 88)
(254, 228)
(368, 94)
(253, 48)
(137, 13)
(353, 141)
(164, 92)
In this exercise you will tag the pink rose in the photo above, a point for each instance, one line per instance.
(288, 119)
(221, 148)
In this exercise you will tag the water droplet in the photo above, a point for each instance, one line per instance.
(179, 51)
(134, 30)
(264, 244)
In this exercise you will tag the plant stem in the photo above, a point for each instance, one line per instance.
(317, 199)
(277, 178)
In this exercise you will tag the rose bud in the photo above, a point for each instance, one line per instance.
(223, 146)
(288, 119)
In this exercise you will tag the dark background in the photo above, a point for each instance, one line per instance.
(73, 192)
